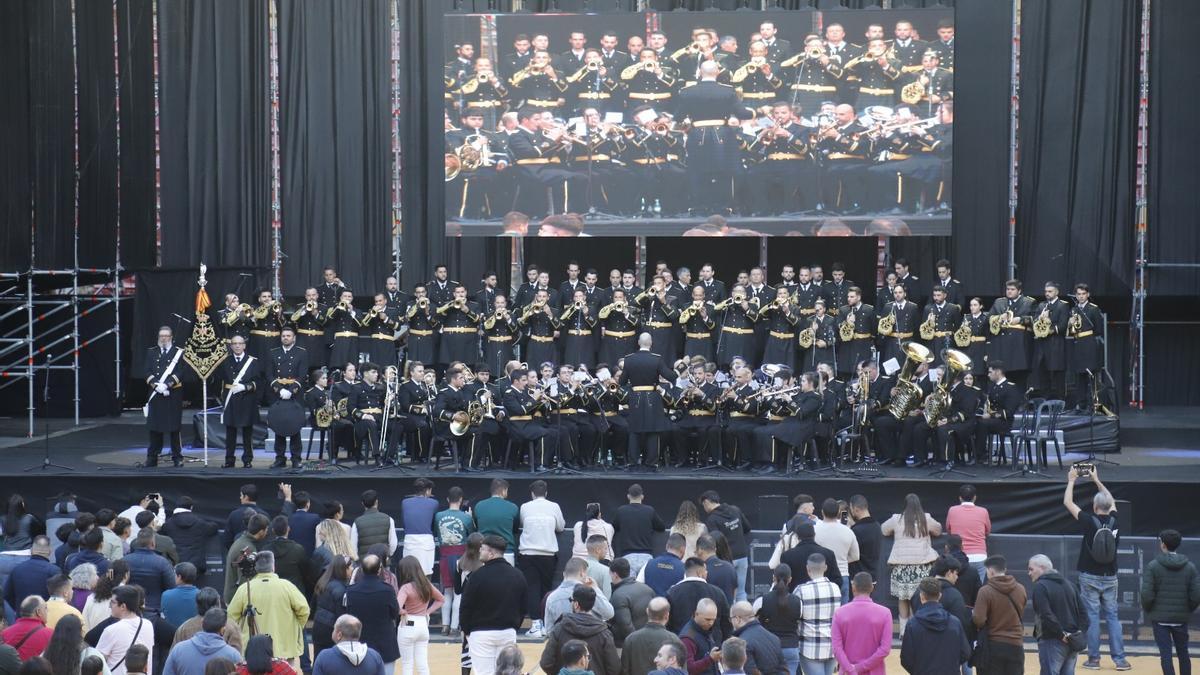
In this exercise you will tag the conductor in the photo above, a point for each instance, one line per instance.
(713, 151)
(641, 373)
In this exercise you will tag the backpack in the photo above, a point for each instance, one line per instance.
(1104, 542)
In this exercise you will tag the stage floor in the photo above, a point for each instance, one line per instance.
(1159, 465)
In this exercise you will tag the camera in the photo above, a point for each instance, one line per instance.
(245, 563)
(1083, 469)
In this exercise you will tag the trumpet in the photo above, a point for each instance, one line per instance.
(815, 51)
(310, 306)
(661, 128)
(242, 310)
(483, 77)
(594, 65)
(446, 307)
(262, 311)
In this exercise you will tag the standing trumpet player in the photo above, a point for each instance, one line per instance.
(500, 333)
(309, 321)
(341, 320)
(699, 326)
(460, 329)
(268, 319)
(579, 339)
(377, 335)
(422, 324)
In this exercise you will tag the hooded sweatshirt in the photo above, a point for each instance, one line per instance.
(1056, 604)
(934, 642)
(999, 606)
(348, 658)
(592, 630)
(188, 657)
(1170, 589)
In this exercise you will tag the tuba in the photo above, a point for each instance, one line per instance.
(928, 327)
(908, 393)
(1042, 326)
(957, 363)
(962, 336)
(887, 324)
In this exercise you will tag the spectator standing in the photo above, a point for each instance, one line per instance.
(764, 651)
(83, 580)
(598, 570)
(418, 511)
(149, 570)
(330, 591)
(663, 571)
(348, 656)
(862, 630)
(239, 517)
(454, 525)
(720, 572)
(509, 661)
(1060, 621)
(191, 535)
(593, 523)
(301, 521)
(819, 599)
(947, 570)
(630, 600)
(668, 660)
(333, 536)
(912, 556)
(188, 657)
(18, 525)
(128, 629)
(834, 535)
(207, 599)
(733, 656)
(541, 521)
(701, 639)
(575, 658)
(137, 660)
(729, 521)
(1170, 593)
(582, 625)
(96, 609)
(282, 609)
(114, 546)
(998, 610)
(686, 595)
(779, 611)
(372, 527)
(968, 585)
(249, 541)
(30, 577)
(973, 523)
(291, 563)
(66, 649)
(261, 658)
(1097, 565)
(28, 634)
(58, 605)
(164, 545)
(806, 509)
(418, 599)
(642, 647)
(496, 515)
(375, 603)
(796, 557)
(934, 642)
(869, 535)
(687, 523)
(558, 602)
(634, 527)
(493, 598)
(90, 545)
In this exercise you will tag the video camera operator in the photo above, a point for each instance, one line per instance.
(266, 604)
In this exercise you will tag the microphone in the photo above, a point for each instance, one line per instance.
(181, 318)
(245, 274)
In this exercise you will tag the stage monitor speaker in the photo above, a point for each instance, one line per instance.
(1125, 508)
(773, 511)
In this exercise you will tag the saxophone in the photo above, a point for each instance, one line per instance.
(888, 323)
(962, 336)
(928, 326)
(1042, 326)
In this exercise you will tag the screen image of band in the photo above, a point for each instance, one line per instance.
(811, 122)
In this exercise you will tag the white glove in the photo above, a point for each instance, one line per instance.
(237, 388)
(285, 394)
(161, 389)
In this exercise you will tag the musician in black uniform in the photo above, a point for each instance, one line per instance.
(659, 314)
(913, 288)
(413, 400)
(483, 93)
(654, 156)
(287, 376)
(500, 332)
(344, 389)
(955, 426)
(578, 433)
(517, 59)
(836, 289)
(781, 172)
(714, 289)
(523, 426)
(450, 400)
(1085, 348)
(163, 369)
(578, 331)
(738, 317)
(241, 376)
(757, 81)
(309, 322)
(366, 409)
(697, 405)
(541, 325)
(460, 329)
(235, 318)
(341, 320)
(1049, 363)
(317, 397)
(945, 279)
(811, 77)
(598, 159)
(877, 72)
(1004, 400)
(539, 151)
(945, 43)
(792, 422)
(824, 328)
(712, 144)
(976, 321)
(947, 317)
(619, 321)
(876, 401)
(485, 297)
(647, 420)
(741, 415)
(1011, 345)
(592, 84)
(611, 425)
(937, 83)
(843, 148)
(699, 325)
(856, 333)
(268, 318)
(377, 334)
(905, 319)
(482, 189)
(780, 317)
(422, 327)
(329, 291)
(539, 85)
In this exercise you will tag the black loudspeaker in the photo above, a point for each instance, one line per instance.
(1125, 509)
(772, 512)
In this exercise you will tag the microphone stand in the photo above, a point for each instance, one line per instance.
(46, 463)
(1092, 423)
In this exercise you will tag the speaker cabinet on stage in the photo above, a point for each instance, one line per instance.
(1125, 508)
(773, 512)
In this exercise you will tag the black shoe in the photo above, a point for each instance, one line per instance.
(743, 466)
(151, 462)
(176, 462)
(279, 463)
(229, 464)
(247, 463)
(769, 471)
(296, 464)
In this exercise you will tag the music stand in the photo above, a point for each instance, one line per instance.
(46, 463)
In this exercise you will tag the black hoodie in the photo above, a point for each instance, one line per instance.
(592, 630)
(934, 642)
(729, 521)
(1057, 606)
(190, 534)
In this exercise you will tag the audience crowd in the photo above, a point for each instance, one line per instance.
(122, 592)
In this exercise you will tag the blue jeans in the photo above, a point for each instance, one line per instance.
(791, 660)
(817, 666)
(1164, 636)
(636, 562)
(981, 570)
(742, 567)
(1056, 658)
(845, 588)
(1099, 594)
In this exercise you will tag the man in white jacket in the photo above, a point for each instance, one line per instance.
(541, 521)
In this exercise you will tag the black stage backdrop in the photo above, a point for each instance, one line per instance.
(335, 141)
(215, 144)
(163, 292)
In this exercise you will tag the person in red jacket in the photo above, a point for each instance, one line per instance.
(29, 635)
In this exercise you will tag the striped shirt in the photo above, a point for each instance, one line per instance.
(819, 598)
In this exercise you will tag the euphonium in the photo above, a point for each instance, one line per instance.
(957, 363)
(908, 394)
(887, 324)
(928, 326)
(962, 336)
(1042, 327)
